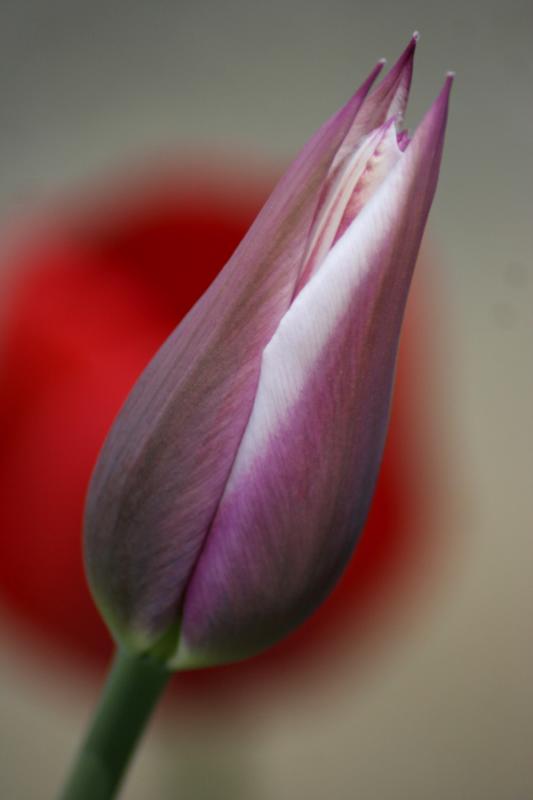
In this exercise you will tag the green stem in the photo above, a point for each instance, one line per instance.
(129, 696)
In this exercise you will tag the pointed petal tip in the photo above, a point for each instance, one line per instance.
(405, 60)
(376, 69)
(409, 51)
(433, 125)
(394, 88)
(360, 93)
(439, 107)
(444, 94)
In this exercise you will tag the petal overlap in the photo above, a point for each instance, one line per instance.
(235, 482)
(303, 478)
(168, 455)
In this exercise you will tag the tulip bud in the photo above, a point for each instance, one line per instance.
(232, 488)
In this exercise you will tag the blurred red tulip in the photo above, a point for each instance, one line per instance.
(99, 292)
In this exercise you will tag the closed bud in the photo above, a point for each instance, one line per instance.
(235, 482)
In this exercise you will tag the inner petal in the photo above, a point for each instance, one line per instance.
(348, 189)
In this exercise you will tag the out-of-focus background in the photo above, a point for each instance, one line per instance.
(442, 705)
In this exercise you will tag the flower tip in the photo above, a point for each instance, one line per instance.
(375, 72)
(443, 99)
(440, 105)
(409, 51)
(404, 64)
(431, 129)
(448, 83)
(403, 68)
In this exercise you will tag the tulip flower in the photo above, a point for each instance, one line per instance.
(234, 484)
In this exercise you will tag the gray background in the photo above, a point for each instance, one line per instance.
(88, 88)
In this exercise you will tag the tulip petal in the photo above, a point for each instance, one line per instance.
(300, 488)
(166, 460)
(387, 101)
(356, 182)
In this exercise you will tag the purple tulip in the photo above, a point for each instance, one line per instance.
(234, 483)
